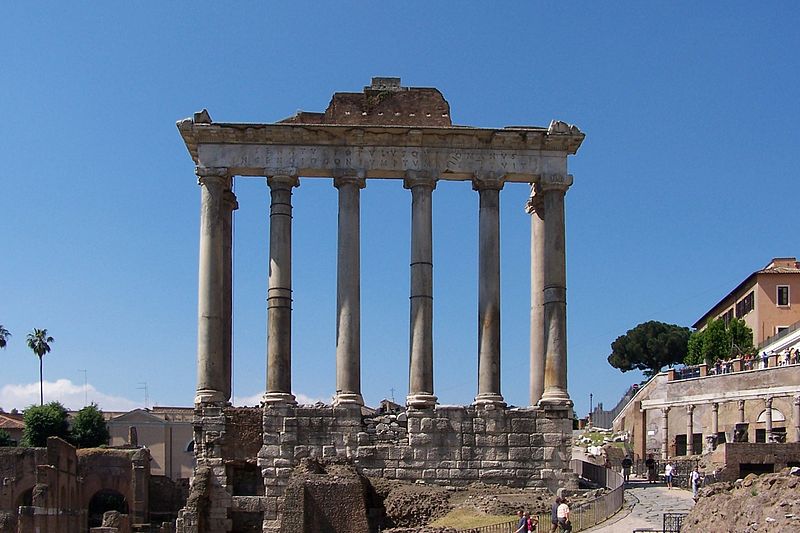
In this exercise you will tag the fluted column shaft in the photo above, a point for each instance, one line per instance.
(488, 188)
(420, 393)
(768, 415)
(555, 292)
(279, 295)
(213, 316)
(690, 430)
(665, 433)
(535, 208)
(348, 293)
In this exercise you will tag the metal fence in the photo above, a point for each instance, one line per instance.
(582, 516)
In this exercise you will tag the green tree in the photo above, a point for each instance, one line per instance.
(5, 438)
(649, 347)
(39, 343)
(719, 341)
(89, 429)
(42, 421)
(4, 335)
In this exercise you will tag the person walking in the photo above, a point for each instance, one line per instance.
(563, 516)
(626, 468)
(522, 525)
(554, 516)
(650, 463)
(695, 479)
(668, 471)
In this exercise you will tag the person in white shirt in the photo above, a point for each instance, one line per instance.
(668, 470)
(563, 516)
(695, 480)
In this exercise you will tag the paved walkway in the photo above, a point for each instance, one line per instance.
(644, 506)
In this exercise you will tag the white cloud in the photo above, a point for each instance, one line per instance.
(71, 395)
(255, 399)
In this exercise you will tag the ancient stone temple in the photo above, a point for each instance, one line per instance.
(245, 457)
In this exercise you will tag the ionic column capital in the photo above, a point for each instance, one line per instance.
(689, 409)
(229, 200)
(212, 174)
(715, 407)
(347, 177)
(535, 203)
(283, 179)
(796, 400)
(741, 404)
(665, 410)
(768, 402)
(487, 181)
(420, 178)
(555, 182)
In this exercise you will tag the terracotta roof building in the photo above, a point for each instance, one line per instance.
(768, 300)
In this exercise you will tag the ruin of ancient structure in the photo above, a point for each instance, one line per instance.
(245, 457)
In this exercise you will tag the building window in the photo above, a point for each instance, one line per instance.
(728, 316)
(745, 305)
(780, 329)
(783, 295)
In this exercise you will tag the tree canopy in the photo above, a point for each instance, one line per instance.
(649, 347)
(719, 340)
(89, 429)
(4, 335)
(42, 421)
(5, 438)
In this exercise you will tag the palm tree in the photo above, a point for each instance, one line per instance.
(39, 343)
(4, 335)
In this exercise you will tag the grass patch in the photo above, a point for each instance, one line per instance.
(464, 518)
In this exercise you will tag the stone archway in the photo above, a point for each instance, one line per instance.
(105, 500)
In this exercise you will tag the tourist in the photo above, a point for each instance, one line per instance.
(668, 469)
(563, 516)
(554, 516)
(522, 525)
(626, 468)
(650, 463)
(532, 521)
(695, 480)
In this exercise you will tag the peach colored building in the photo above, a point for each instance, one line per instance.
(768, 300)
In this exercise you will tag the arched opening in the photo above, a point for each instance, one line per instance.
(105, 500)
(190, 447)
(26, 498)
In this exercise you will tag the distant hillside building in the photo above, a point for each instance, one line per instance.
(768, 300)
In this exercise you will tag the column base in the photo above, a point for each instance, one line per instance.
(487, 399)
(346, 399)
(421, 400)
(555, 400)
(209, 396)
(276, 398)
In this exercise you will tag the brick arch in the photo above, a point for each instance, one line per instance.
(106, 472)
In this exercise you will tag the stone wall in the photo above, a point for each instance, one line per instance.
(728, 458)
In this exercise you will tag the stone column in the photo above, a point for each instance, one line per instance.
(420, 388)
(555, 392)
(741, 412)
(279, 295)
(229, 206)
(665, 433)
(348, 292)
(796, 417)
(715, 421)
(488, 188)
(689, 430)
(212, 314)
(535, 208)
(768, 415)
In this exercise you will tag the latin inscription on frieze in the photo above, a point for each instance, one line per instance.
(381, 161)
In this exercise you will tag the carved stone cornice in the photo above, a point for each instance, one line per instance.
(519, 153)
(206, 174)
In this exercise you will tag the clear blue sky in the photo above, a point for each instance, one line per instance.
(687, 180)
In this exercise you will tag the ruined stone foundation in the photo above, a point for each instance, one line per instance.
(246, 456)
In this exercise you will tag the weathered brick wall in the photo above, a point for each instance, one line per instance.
(732, 455)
